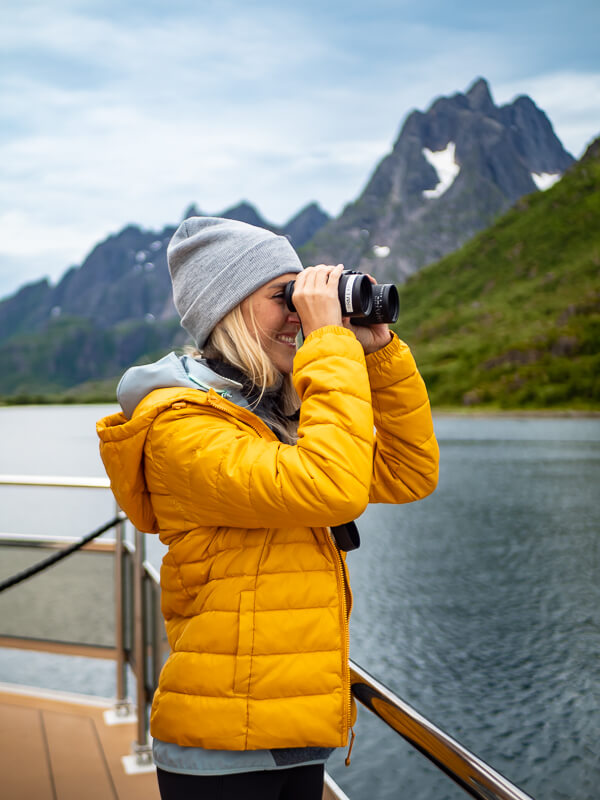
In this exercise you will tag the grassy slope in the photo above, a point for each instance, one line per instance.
(512, 319)
(72, 360)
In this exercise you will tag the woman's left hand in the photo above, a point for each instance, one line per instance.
(373, 337)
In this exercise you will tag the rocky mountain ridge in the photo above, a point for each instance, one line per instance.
(126, 276)
(452, 171)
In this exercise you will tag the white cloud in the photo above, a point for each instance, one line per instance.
(33, 248)
(185, 58)
(23, 238)
(106, 122)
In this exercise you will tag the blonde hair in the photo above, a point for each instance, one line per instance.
(231, 341)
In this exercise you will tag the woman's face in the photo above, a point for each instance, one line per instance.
(276, 325)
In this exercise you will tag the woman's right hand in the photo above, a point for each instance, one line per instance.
(316, 297)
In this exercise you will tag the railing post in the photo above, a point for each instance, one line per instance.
(141, 747)
(122, 703)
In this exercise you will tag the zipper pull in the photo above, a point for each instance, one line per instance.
(205, 388)
(347, 761)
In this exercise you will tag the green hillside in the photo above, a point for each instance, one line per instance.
(512, 319)
(74, 360)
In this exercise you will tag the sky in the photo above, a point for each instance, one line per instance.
(127, 112)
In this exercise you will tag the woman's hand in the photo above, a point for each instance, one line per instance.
(316, 297)
(373, 337)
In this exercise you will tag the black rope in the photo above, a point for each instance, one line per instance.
(47, 562)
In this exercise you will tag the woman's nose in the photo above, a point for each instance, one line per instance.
(293, 317)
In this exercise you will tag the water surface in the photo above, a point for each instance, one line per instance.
(478, 605)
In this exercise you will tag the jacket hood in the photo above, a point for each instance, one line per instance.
(123, 435)
(173, 371)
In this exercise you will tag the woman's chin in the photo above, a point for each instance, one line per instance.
(284, 363)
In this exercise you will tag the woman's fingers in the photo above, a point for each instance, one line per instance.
(317, 280)
(316, 297)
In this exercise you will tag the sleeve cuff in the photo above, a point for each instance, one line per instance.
(392, 363)
(320, 332)
(389, 350)
(331, 341)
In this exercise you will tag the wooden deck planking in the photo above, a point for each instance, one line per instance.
(51, 749)
(76, 757)
(23, 755)
(56, 750)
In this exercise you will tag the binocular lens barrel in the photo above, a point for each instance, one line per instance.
(386, 305)
(364, 302)
(356, 297)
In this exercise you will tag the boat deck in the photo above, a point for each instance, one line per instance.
(62, 749)
(58, 747)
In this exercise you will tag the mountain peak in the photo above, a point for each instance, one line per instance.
(592, 152)
(480, 97)
(304, 225)
(246, 212)
(192, 211)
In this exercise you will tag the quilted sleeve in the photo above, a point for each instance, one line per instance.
(221, 473)
(406, 454)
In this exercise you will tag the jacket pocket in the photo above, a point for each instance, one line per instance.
(243, 660)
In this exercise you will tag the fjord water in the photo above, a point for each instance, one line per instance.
(478, 605)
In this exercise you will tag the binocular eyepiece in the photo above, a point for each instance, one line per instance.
(364, 302)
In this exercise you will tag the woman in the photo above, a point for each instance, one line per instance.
(211, 453)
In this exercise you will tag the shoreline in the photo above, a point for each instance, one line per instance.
(448, 412)
(556, 413)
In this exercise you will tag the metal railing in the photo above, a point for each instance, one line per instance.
(470, 772)
(140, 643)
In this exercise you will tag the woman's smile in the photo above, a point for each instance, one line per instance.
(289, 339)
(269, 319)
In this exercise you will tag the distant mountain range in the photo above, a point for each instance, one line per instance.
(300, 229)
(111, 311)
(452, 171)
(126, 277)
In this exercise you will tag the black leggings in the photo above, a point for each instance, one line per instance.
(293, 783)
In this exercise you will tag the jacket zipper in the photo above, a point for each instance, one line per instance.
(205, 387)
(242, 417)
(341, 578)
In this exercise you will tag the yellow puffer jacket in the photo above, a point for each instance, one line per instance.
(255, 593)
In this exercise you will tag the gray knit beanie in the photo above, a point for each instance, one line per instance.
(216, 263)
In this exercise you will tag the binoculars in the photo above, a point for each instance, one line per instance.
(364, 302)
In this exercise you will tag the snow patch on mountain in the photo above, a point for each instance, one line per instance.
(381, 250)
(544, 180)
(446, 167)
